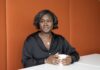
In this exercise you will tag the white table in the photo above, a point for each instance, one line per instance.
(87, 62)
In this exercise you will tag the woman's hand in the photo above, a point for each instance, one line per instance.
(67, 60)
(52, 59)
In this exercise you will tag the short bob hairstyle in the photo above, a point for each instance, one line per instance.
(41, 14)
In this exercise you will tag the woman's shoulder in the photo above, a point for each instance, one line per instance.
(31, 36)
(59, 36)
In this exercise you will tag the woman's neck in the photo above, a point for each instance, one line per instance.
(48, 35)
(46, 39)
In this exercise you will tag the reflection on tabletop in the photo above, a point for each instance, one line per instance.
(87, 62)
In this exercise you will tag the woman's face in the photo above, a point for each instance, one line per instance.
(46, 23)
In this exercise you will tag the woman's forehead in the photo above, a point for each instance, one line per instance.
(48, 16)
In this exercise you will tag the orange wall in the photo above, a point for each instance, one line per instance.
(85, 25)
(20, 14)
(2, 35)
(78, 22)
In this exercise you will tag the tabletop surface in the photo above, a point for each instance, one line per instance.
(87, 62)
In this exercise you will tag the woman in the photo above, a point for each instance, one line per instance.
(44, 45)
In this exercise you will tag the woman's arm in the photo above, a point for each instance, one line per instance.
(27, 57)
(70, 51)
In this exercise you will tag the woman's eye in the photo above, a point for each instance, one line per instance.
(41, 21)
(49, 21)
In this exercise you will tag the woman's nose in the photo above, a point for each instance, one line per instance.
(45, 23)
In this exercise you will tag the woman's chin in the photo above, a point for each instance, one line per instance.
(46, 31)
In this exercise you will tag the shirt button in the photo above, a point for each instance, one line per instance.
(49, 53)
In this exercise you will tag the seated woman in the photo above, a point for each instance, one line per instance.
(42, 46)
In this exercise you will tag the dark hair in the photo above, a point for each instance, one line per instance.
(42, 13)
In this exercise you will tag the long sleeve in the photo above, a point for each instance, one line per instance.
(70, 51)
(34, 51)
(27, 57)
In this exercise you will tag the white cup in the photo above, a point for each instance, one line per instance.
(61, 57)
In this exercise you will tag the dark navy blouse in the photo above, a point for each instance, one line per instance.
(35, 52)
